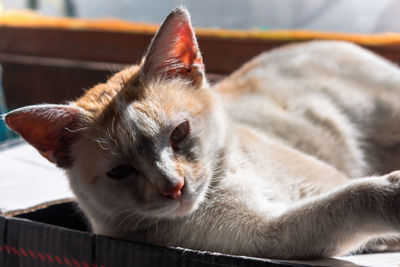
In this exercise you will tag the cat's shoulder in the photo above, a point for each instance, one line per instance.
(309, 59)
(318, 51)
(316, 47)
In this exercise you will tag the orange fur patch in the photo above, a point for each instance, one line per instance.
(180, 166)
(100, 96)
(170, 97)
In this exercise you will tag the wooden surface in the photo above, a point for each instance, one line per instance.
(221, 54)
(54, 65)
(29, 80)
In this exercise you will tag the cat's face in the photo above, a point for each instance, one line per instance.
(145, 143)
(151, 154)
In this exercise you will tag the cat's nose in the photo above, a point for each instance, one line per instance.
(174, 191)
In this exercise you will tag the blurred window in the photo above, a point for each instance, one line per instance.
(361, 16)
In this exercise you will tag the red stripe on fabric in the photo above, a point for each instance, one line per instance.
(23, 252)
(41, 256)
(67, 262)
(46, 257)
(58, 260)
(49, 257)
(77, 264)
(33, 255)
(15, 250)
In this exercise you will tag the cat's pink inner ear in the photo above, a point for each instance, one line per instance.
(185, 48)
(174, 51)
(49, 128)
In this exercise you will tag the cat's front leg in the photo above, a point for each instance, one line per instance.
(337, 222)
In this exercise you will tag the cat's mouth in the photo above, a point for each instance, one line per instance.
(190, 200)
(181, 205)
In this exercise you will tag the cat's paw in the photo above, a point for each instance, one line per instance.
(389, 197)
(379, 197)
(392, 185)
(394, 178)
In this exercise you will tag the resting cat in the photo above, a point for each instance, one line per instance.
(259, 164)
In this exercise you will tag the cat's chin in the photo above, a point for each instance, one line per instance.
(177, 208)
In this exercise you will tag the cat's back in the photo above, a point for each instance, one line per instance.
(300, 94)
(287, 73)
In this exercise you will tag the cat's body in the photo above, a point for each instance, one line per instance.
(263, 163)
(324, 98)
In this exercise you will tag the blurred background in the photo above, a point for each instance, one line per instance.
(358, 16)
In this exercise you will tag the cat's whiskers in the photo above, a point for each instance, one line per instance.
(110, 134)
(129, 216)
(76, 130)
(123, 216)
(100, 142)
(134, 221)
(127, 221)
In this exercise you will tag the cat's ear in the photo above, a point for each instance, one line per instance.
(174, 51)
(49, 128)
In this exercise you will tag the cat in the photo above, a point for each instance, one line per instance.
(292, 156)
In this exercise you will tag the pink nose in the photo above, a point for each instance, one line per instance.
(175, 191)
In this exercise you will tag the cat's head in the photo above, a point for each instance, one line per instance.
(146, 142)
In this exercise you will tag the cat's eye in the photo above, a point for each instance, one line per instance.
(180, 133)
(121, 171)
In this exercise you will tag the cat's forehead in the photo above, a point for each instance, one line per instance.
(158, 99)
(163, 102)
(153, 113)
